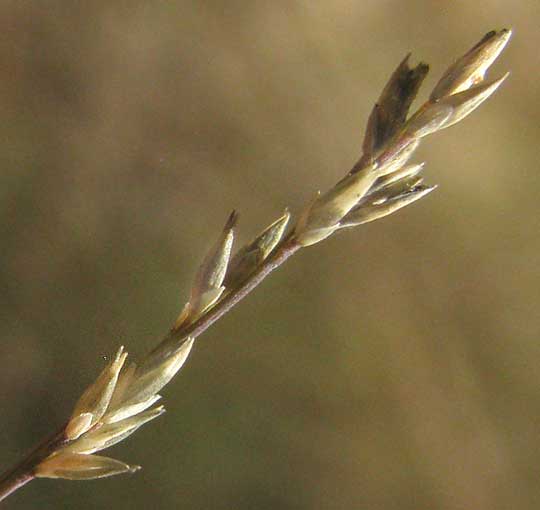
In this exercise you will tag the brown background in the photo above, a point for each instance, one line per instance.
(392, 367)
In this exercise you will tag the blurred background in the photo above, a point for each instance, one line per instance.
(394, 366)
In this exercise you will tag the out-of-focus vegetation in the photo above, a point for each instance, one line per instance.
(391, 367)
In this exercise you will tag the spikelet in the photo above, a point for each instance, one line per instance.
(395, 158)
(154, 374)
(380, 209)
(95, 400)
(321, 219)
(251, 256)
(471, 68)
(123, 411)
(465, 102)
(405, 172)
(379, 183)
(109, 411)
(113, 432)
(77, 466)
(207, 286)
(390, 111)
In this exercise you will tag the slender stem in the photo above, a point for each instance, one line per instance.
(22, 473)
(14, 483)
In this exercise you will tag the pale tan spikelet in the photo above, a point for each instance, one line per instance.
(405, 172)
(464, 103)
(78, 425)
(124, 381)
(77, 466)
(398, 187)
(322, 217)
(150, 378)
(429, 119)
(377, 210)
(470, 69)
(207, 286)
(96, 398)
(315, 235)
(111, 433)
(372, 205)
(123, 412)
(212, 271)
(308, 236)
(249, 257)
(390, 142)
(396, 157)
(267, 240)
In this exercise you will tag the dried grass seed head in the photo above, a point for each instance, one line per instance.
(382, 182)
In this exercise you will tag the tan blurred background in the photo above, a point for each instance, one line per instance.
(393, 367)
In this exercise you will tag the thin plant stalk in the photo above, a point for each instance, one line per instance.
(383, 181)
(23, 473)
